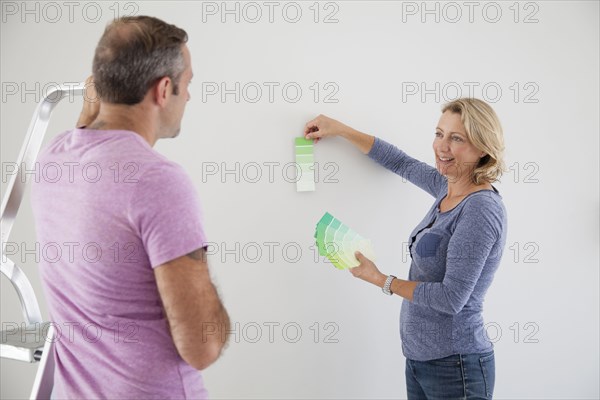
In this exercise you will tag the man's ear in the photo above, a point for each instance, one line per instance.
(162, 90)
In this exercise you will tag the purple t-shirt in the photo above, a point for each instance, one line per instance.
(108, 209)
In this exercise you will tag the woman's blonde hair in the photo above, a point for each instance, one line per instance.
(485, 133)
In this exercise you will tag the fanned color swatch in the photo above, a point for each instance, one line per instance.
(338, 243)
(305, 161)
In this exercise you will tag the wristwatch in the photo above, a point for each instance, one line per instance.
(387, 285)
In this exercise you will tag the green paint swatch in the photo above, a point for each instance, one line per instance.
(306, 165)
(338, 243)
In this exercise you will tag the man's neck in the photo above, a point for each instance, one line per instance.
(128, 118)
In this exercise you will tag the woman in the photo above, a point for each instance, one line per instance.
(455, 250)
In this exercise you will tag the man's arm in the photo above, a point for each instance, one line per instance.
(91, 104)
(199, 323)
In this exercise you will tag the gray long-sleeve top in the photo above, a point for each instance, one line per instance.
(455, 255)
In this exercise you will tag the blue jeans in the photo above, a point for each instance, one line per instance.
(459, 376)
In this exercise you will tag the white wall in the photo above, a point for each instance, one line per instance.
(546, 311)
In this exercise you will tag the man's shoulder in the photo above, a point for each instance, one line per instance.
(60, 138)
(164, 174)
(114, 150)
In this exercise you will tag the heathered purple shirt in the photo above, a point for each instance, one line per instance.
(108, 209)
(455, 255)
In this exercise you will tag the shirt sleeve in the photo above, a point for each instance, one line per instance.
(165, 210)
(417, 172)
(478, 229)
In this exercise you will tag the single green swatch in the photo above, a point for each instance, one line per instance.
(305, 181)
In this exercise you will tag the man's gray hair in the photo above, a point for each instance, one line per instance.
(135, 52)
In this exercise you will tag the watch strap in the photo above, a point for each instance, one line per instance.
(388, 284)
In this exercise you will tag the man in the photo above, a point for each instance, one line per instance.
(124, 268)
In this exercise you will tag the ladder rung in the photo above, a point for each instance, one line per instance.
(25, 343)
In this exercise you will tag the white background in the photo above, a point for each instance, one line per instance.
(543, 313)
